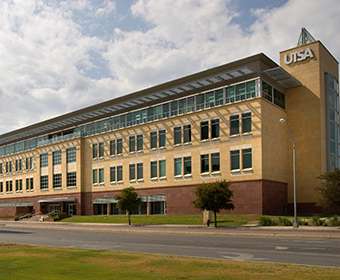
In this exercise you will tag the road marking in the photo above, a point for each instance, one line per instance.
(240, 256)
(282, 248)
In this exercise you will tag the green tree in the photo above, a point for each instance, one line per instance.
(214, 197)
(329, 189)
(128, 200)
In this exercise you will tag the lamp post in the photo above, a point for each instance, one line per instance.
(295, 223)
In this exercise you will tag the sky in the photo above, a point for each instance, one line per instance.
(57, 56)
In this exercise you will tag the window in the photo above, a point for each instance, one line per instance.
(94, 150)
(29, 163)
(101, 175)
(0, 168)
(204, 130)
(71, 155)
(8, 167)
(246, 123)
(56, 157)
(1, 187)
(18, 185)
(161, 139)
(18, 165)
(112, 174)
(187, 133)
(71, 179)
(214, 129)
(116, 147)
(119, 173)
(132, 172)
(119, 146)
(246, 159)
(178, 135)
(186, 163)
(101, 150)
(95, 176)
(29, 184)
(132, 144)
(56, 181)
(158, 169)
(140, 142)
(112, 147)
(234, 125)
(210, 166)
(44, 182)
(9, 187)
(139, 171)
(44, 160)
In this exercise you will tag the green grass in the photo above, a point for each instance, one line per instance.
(35, 262)
(222, 220)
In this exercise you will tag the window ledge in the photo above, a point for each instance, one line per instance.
(215, 172)
(187, 143)
(178, 176)
(205, 174)
(140, 180)
(204, 140)
(71, 187)
(247, 169)
(178, 145)
(235, 170)
(215, 139)
(235, 135)
(187, 176)
(247, 133)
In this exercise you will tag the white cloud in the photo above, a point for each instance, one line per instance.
(49, 50)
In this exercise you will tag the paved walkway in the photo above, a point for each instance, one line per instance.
(255, 231)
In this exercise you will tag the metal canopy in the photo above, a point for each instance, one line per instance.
(114, 106)
(61, 199)
(281, 76)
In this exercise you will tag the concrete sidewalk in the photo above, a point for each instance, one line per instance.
(308, 232)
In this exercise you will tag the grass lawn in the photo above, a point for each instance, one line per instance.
(35, 262)
(222, 220)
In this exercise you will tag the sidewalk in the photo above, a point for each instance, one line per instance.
(308, 232)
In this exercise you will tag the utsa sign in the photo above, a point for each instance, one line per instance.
(298, 56)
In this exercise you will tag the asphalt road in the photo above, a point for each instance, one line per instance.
(318, 252)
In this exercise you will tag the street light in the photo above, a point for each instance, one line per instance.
(295, 224)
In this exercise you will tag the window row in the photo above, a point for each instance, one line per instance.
(18, 185)
(18, 166)
(56, 157)
(71, 180)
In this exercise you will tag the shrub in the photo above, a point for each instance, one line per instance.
(316, 221)
(283, 221)
(335, 222)
(266, 221)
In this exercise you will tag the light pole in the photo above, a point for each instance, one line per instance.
(295, 223)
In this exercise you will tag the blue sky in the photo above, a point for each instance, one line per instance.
(57, 56)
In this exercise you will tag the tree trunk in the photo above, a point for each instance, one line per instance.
(215, 219)
(129, 218)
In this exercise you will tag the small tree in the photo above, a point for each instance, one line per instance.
(214, 197)
(329, 189)
(128, 200)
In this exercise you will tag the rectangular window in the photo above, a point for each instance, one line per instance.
(153, 136)
(71, 179)
(18, 165)
(94, 150)
(56, 155)
(44, 182)
(235, 160)
(119, 173)
(18, 185)
(140, 142)
(44, 160)
(187, 165)
(139, 171)
(187, 133)
(71, 155)
(204, 130)
(162, 168)
(9, 187)
(215, 162)
(95, 176)
(1, 187)
(246, 123)
(56, 181)
(153, 169)
(119, 146)
(204, 163)
(0, 168)
(29, 184)
(101, 175)
(215, 128)
(112, 147)
(101, 149)
(246, 158)
(161, 139)
(178, 135)
(234, 125)
(132, 144)
(29, 163)
(178, 166)
(112, 174)
(132, 172)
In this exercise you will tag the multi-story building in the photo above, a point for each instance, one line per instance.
(222, 123)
